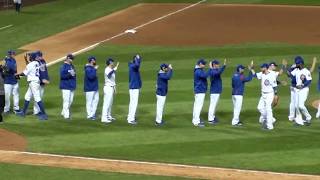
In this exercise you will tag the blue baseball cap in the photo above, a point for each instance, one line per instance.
(91, 58)
(11, 52)
(39, 53)
(264, 65)
(201, 61)
(215, 62)
(70, 56)
(240, 66)
(273, 63)
(164, 66)
(298, 60)
(109, 61)
(33, 56)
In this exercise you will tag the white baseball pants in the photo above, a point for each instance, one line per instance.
(237, 105)
(33, 91)
(197, 107)
(36, 109)
(14, 90)
(108, 92)
(67, 99)
(292, 109)
(92, 100)
(214, 98)
(160, 106)
(301, 97)
(265, 108)
(134, 97)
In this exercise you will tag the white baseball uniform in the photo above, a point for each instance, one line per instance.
(108, 90)
(32, 73)
(301, 95)
(268, 82)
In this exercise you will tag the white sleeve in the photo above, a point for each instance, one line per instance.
(259, 75)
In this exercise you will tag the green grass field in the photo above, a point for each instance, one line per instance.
(286, 149)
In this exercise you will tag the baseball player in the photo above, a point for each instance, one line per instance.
(214, 73)
(135, 84)
(303, 80)
(268, 90)
(44, 80)
(164, 75)
(11, 85)
(200, 88)
(108, 90)
(91, 87)
(292, 110)
(32, 73)
(238, 84)
(67, 85)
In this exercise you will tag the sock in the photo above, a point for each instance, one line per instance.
(26, 105)
(41, 106)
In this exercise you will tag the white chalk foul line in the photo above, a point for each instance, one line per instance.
(123, 33)
(160, 164)
(5, 27)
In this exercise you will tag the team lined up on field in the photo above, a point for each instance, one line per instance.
(37, 77)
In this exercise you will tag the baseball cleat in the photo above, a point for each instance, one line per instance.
(307, 123)
(16, 111)
(43, 117)
(6, 113)
(238, 124)
(111, 119)
(133, 122)
(214, 122)
(159, 124)
(200, 125)
(21, 114)
(297, 125)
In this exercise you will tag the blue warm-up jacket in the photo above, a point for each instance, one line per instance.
(91, 82)
(162, 82)
(200, 83)
(67, 81)
(134, 75)
(216, 82)
(238, 82)
(11, 70)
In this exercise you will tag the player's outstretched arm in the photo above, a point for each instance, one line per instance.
(314, 62)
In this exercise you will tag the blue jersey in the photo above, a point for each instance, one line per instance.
(162, 82)
(68, 77)
(10, 71)
(91, 82)
(200, 83)
(43, 73)
(134, 75)
(216, 81)
(238, 82)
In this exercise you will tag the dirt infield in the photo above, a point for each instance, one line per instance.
(12, 141)
(145, 168)
(204, 24)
